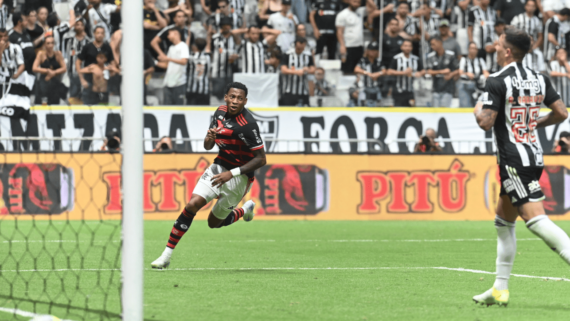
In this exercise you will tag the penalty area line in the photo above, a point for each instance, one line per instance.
(23, 313)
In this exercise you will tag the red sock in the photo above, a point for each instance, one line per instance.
(180, 228)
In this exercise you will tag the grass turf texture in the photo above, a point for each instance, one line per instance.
(243, 277)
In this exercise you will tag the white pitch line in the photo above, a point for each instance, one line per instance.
(270, 241)
(306, 269)
(23, 313)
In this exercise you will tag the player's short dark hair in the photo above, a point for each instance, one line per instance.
(300, 40)
(98, 27)
(518, 41)
(17, 17)
(52, 19)
(565, 12)
(236, 85)
(200, 43)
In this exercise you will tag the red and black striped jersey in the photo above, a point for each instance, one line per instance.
(236, 138)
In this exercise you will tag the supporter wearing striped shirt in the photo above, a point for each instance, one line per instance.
(371, 68)
(534, 60)
(214, 21)
(5, 8)
(295, 66)
(405, 67)
(160, 43)
(223, 47)
(57, 29)
(555, 33)
(459, 17)
(252, 53)
(530, 23)
(560, 72)
(198, 90)
(72, 46)
(12, 65)
(480, 24)
(471, 68)
(322, 87)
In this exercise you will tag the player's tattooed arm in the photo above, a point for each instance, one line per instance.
(258, 161)
(556, 116)
(485, 116)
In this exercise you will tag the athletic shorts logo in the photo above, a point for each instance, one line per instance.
(513, 200)
(534, 186)
(231, 207)
(184, 226)
(508, 185)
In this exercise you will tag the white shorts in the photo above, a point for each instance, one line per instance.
(229, 195)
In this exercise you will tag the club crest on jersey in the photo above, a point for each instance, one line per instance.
(534, 186)
(525, 84)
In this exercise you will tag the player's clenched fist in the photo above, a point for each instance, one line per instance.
(211, 133)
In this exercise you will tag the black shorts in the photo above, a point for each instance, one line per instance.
(521, 184)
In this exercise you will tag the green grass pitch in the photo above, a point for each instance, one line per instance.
(279, 270)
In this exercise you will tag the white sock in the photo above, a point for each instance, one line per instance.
(167, 251)
(506, 251)
(551, 234)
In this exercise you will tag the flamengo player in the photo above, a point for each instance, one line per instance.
(511, 105)
(236, 133)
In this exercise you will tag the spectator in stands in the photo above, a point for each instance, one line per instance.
(370, 67)
(490, 48)
(268, 8)
(350, 35)
(408, 26)
(174, 6)
(322, 87)
(427, 142)
(535, 59)
(322, 17)
(223, 47)
(295, 66)
(148, 70)
(88, 56)
(153, 22)
(175, 64)
(198, 90)
(163, 145)
(252, 53)
(353, 96)
(442, 66)
(555, 33)
(441, 8)
(530, 23)
(480, 24)
(12, 61)
(42, 15)
(550, 7)
(112, 142)
(77, 9)
(471, 68)
(99, 14)
(19, 36)
(405, 67)
(57, 29)
(508, 9)
(273, 63)
(449, 41)
(560, 73)
(161, 44)
(213, 24)
(301, 31)
(284, 21)
(459, 24)
(562, 144)
(33, 29)
(50, 65)
(100, 71)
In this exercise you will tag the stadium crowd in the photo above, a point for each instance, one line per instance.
(390, 52)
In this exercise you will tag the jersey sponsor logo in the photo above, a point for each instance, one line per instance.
(525, 84)
(534, 186)
(508, 185)
(7, 111)
(257, 138)
(530, 99)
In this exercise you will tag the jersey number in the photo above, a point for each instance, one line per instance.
(523, 131)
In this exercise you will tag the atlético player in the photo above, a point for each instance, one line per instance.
(236, 133)
(511, 106)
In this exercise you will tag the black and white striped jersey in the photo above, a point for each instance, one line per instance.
(59, 35)
(405, 84)
(252, 57)
(439, 4)
(293, 84)
(222, 49)
(474, 66)
(199, 66)
(237, 6)
(72, 46)
(534, 60)
(553, 26)
(483, 22)
(517, 93)
(459, 17)
(491, 58)
(411, 26)
(12, 58)
(561, 84)
(215, 18)
(321, 85)
(4, 13)
(371, 67)
(531, 25)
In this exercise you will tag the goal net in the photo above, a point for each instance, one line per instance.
(60, 251)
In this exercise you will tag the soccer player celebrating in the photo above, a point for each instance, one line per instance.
(236, 133)
(511, 105)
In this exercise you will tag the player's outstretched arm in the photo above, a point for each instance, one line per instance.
(485, 116)
(258, 161)
(556, 116)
